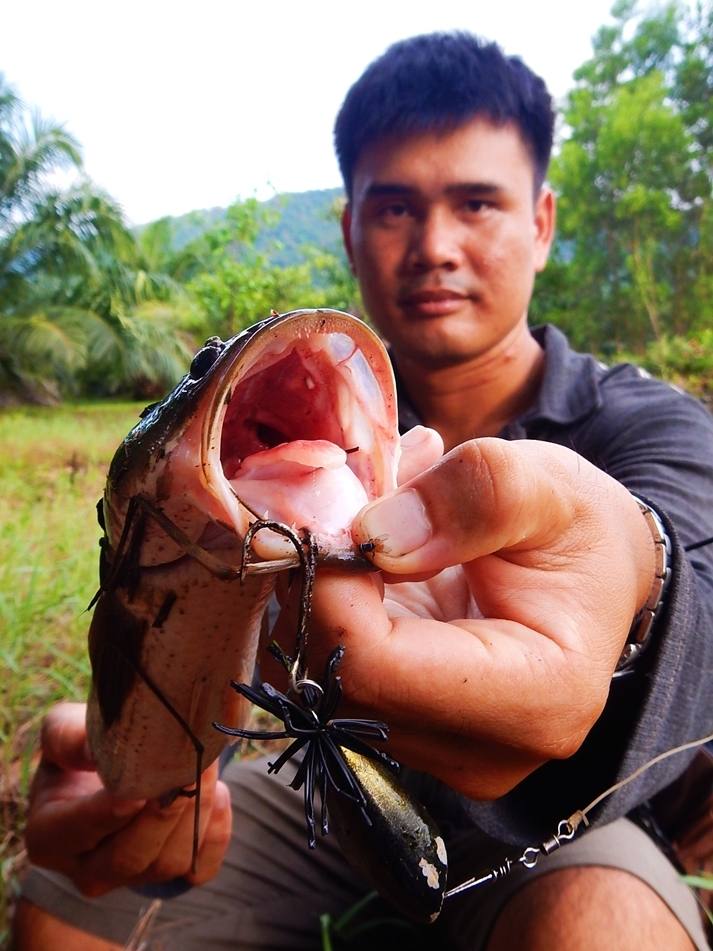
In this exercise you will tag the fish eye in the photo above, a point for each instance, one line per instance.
(204, 359)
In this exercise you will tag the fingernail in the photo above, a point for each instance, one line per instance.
(399, 522)
(124, 808)
(222, 797)
(414, 437)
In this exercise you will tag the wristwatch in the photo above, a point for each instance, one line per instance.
(641, 630)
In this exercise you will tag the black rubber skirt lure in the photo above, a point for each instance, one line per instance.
(382, 831)
(311, 725)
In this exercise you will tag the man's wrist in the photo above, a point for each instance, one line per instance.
(641, 630)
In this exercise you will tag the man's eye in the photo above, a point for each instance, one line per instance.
(475, 205)
(395, 209)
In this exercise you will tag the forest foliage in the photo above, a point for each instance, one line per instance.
(90, 307)
(632, 265)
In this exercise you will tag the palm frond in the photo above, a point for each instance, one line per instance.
(29, 155)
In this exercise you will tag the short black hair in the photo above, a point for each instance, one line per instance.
(436, 82)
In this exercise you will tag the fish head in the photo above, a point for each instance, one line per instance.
(294, 420)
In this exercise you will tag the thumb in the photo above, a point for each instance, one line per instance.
(483, 496)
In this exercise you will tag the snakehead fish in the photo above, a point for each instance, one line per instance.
(292, 420)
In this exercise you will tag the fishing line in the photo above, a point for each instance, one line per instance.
(566, 828)
(695, 545)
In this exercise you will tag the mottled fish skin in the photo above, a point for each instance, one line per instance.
(213, 627)
(167, 634)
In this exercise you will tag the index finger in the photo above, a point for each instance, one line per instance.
(420, 448)
(60, 829)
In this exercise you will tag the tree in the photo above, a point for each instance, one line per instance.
(29, 152)
(74, 288)
(634, 176)
(238, 285)
(334, 275)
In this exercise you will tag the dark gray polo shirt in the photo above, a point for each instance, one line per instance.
(658, 442)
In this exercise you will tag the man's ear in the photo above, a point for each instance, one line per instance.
(347, 234)
(545, 218)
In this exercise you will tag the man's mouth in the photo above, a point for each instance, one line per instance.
(434, 302)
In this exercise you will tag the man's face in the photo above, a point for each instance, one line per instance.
(445, 238)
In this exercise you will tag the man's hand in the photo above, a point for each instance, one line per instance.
(75, 827)
(557, 558)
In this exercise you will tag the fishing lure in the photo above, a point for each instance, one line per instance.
(312, 726)
(382, 831)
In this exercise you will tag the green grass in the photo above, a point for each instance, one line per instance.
(53, 463)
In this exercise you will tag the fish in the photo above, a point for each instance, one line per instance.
(294, 420)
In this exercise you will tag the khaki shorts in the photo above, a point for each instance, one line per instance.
(272, 890)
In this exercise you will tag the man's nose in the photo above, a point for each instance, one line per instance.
(436, 243)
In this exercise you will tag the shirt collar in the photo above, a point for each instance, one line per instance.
(570, 381)
(569, 389)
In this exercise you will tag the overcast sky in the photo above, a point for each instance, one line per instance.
(185, 105)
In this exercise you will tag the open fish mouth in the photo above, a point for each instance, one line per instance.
(301, 430)
(294, 420)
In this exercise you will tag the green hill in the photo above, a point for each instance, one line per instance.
(303, 219)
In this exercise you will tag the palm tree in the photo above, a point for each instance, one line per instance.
(75, 294)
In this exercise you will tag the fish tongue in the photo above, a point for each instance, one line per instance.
(304, 484)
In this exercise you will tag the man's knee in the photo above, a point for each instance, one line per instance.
(36, 930)
(587, 909)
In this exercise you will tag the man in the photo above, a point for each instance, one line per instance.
(509, 708)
